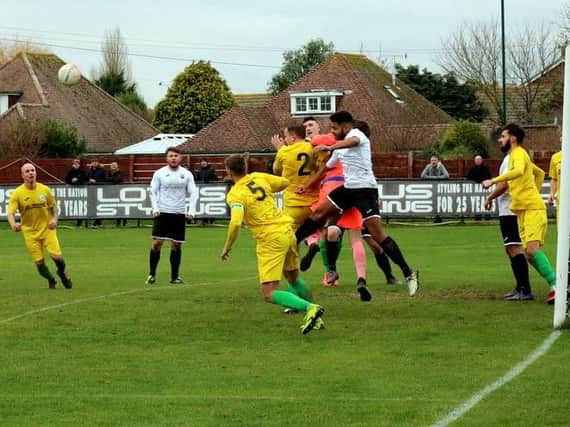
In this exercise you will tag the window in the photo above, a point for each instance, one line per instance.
(314, 102)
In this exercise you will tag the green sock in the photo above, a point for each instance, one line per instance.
(289, 300)
(301, 289)
(291, 288)
(541, 264)
(324, 255)
(44, 271)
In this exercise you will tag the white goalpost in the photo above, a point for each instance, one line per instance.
(560, 303)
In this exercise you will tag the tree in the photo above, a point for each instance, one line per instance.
(114, 75)
(462, 139)
(297, 63)
(473, 54)
(457, 99)
(198, 96)
(43, 138)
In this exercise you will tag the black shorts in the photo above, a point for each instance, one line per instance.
(363, 199)
(510, 230)
(169, 226)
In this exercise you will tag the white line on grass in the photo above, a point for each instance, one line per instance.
(469, 404)
(114, 294)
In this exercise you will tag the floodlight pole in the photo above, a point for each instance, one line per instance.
(560, 303)
(504, 68)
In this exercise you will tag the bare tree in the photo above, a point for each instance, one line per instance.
(115, 56)
(531, 51)
(473, 53)
(9, 50)
(25, 138)
(564, 36)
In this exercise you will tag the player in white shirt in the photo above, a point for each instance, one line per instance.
(360, 190)
(511, 238)
(169, 188)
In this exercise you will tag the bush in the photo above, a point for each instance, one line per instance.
(463, 139)
(62, 141)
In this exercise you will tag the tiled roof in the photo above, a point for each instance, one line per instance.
(252, 99)
(366, 87)
(104, 122)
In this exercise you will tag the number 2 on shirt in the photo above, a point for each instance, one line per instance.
(305, 157)
(255, 189)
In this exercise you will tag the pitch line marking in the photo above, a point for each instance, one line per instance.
(98, 297)
(469, 404)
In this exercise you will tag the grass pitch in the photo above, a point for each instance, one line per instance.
(113, 351)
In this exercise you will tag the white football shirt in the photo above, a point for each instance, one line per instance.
(504, 200)
(357, 163)
(169, 189)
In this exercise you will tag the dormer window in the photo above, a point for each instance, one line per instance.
(314, 102)
(8, 99)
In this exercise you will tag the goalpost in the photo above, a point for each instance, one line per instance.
(562, 264)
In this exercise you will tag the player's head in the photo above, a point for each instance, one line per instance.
(294, 133)
(341, 124)
(363, 127)
(173, 157)
(235, 166)
(28, 173)
(511, 134)
(312, 127)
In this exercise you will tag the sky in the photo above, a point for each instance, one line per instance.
(245, 40)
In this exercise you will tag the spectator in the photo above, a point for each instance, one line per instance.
(435, 170)
(479, 172)
(96, 175)
(115, 176)
(206, 173)
(76, 176)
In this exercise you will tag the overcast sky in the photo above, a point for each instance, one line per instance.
(253, 33)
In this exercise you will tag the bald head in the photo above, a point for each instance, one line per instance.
(478, 160)
(29, 174)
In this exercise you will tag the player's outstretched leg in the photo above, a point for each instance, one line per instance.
(45, 273)
(65, 279)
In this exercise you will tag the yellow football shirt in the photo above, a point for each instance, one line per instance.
(554, 170)
(524, 178)
(296, 163)
(254, 195)
(35, 207)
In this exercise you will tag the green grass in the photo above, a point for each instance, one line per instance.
(212, 353)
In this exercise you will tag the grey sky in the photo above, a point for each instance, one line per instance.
(253, 32)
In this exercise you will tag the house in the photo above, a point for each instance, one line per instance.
(400, 119)
(29, 88)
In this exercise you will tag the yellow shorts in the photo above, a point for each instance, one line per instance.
(298, 213)
(276, 255)
(532, 225)
(36, 246)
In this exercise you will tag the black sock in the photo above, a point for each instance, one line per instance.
(333, 250)
(44, 271)
(384, 264)
(520, 271)
(60, 264)
(307, 228)
(393, 251)
(175, 257)
(153, 261)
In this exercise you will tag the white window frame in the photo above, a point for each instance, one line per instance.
(314, 95)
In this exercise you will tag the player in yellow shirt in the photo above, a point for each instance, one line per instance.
(295, 161)
(554, 173)
(251, 202)
(525, 179)
(38, 213)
